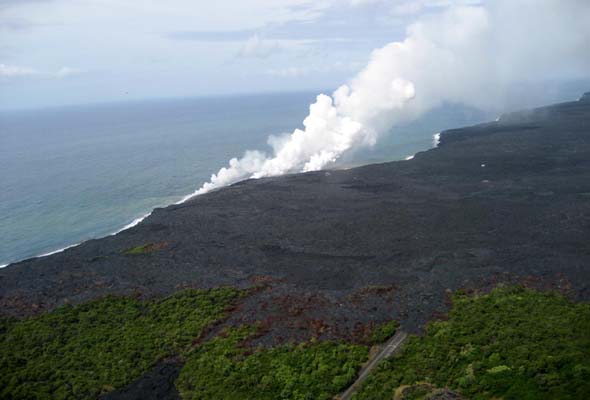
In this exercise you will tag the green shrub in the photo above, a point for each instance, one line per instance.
(513, 343)
(80, 352)
(224, 369)
(145, 249)
(384, 331)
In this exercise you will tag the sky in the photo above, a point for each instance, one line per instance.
(56, 52)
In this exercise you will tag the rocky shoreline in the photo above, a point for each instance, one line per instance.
(332, 253)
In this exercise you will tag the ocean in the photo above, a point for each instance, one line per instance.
(70, 174)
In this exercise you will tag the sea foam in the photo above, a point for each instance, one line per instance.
(57, 251)
(133, 223)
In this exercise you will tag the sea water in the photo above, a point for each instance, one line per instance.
(70, 174)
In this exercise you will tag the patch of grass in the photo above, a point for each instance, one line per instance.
(83, 351)
(513, 343)
(224, 369)
(384, 331)
(414, 392)
(145, 249)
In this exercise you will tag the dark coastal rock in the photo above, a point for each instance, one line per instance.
(157, 384)
(335, 251)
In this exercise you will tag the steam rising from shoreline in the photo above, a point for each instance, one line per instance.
(470, 55)
(334, 125)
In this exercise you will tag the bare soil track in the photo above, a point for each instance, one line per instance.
(390, 347)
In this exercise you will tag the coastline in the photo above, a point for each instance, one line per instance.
(184, 199)
(438, 222)
(436, 141)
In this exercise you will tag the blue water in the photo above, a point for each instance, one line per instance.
(75, 173)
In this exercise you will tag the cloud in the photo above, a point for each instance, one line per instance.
(65, 72)
(254, 43)
(211, 36)
(17, 22)
(11, 71)
(360, 3)
(288, 72)
(260, 48)
(299, 71)
(309, 10)
(412, 7)
(15, 71)
(14, 24)
(13, 3)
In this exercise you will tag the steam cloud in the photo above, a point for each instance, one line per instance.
(471, 55)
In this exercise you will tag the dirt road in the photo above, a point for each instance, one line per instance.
(391, 346)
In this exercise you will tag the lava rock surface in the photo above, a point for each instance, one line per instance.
(157, 384)
(334, 252)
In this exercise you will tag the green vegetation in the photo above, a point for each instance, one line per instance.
(384, 331)
(513, 343)
(83, 351)
(423, 391)
(224, 369)
(145, 249)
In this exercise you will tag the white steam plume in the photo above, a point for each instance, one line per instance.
(470, 55)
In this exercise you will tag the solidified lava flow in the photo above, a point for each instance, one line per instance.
(333, 253)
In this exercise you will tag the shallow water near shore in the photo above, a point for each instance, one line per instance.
(71, 174)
